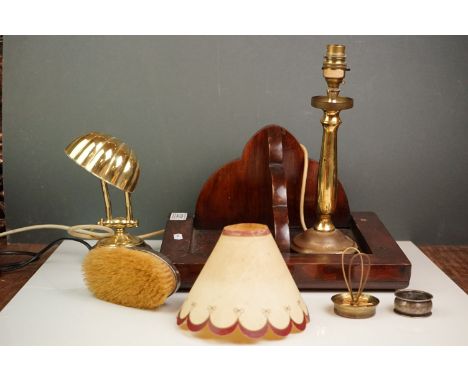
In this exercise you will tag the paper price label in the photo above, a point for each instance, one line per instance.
(178, 236)
(178, 216)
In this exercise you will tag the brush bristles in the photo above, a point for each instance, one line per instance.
(128, 277)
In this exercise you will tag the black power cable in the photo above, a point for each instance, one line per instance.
(33, 256)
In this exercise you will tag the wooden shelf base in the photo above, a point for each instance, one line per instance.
(390, 270)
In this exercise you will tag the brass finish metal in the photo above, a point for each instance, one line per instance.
(365, 307)
(106, 157)
(355, 304)
(121, 239)
(112, 161)
(107, 201)
(324, 238)
(317, 242)
(128, 206)
(341, 103)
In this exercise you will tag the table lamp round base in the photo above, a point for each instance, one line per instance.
(321, 243)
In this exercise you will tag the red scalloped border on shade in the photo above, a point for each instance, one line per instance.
(249, 333)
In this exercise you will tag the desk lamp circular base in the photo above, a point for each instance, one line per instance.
(321, 243)
(121, 239)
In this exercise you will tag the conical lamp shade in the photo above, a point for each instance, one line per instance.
(245, 285)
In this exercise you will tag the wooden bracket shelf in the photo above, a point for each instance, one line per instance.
(390, 268)
(263, 186)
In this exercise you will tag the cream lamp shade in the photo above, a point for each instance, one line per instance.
(246, 286)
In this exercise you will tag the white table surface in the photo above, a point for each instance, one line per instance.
(55, 308)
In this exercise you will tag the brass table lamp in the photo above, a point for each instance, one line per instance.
(324, 238)
(121, 268)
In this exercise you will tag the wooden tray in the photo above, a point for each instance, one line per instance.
(263, 186)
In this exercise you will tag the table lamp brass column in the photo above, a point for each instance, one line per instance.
(324, 238)
(121, 268)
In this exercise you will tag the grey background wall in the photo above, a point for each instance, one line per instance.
(187, 105)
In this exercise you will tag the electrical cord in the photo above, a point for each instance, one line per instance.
(303, 186)
(151, 234)
(33, 256)
(79, 232)
(82, 231)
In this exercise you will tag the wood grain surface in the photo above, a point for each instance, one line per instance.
(452, 259)
(256, 187)
(12, 282)
(390, 268)
(2, 195)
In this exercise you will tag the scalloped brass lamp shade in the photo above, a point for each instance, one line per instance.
(106, 157)
(112, 161)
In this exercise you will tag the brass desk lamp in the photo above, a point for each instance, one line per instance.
(324, 238)
(121, 268)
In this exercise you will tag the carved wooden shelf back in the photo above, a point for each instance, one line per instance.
(264, 186)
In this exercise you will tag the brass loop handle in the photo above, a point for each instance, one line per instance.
(365, 262)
